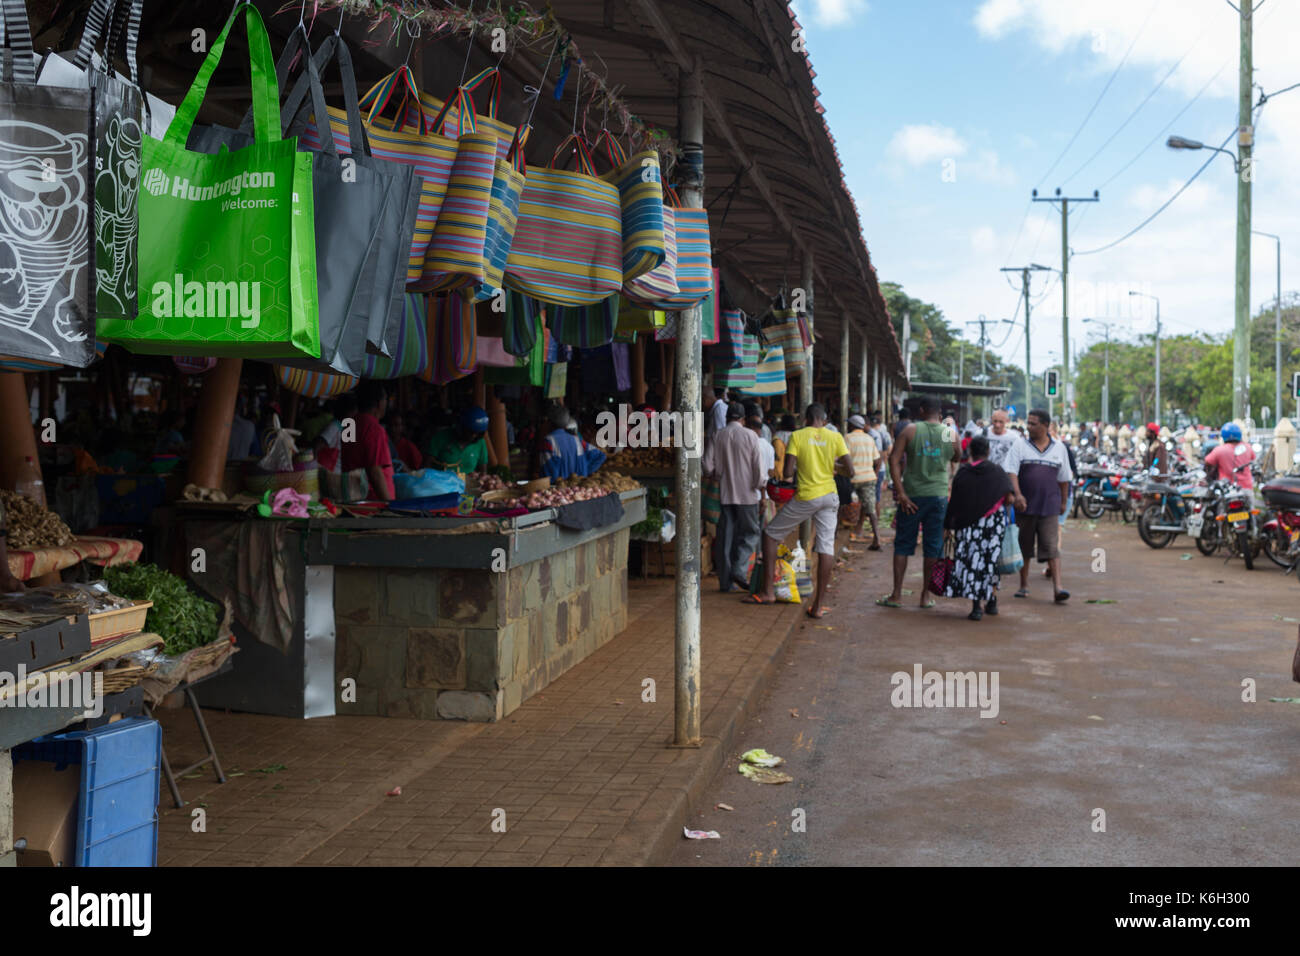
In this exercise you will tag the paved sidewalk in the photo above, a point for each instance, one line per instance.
(582, 771)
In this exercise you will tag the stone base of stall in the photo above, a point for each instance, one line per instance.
(473, 644)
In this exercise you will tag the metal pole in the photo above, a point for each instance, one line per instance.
(1065, 307)
(686, 714)
(1028, 400)
(1277, 341)
(1159, 407)
(845, 345)
(1105, 388)
(1245, 137)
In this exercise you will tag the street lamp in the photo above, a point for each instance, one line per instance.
(1277, 331)
(1181, 142)
(1105, 387)
(1143, 295)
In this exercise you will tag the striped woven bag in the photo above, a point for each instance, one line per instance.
(694, 257)
(770, 374)
(584, 326)
(431, 154)
(314, 384)
(785, 333)
(568, 247)
(410, 352)
(520, 326)
(641, 198)
(729, 352)
(456, 257)
(508, 182)
(743, 374)
(710, 317)
(452, 340)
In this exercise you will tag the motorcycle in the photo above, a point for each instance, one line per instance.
(1168, 509)
(1281, 531)
(1241, 534)
(1102, 488)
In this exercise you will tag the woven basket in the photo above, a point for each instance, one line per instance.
(119, 679)
(205, 655)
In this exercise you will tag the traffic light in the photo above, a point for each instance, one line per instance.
(1051, 382)
(1295, 386)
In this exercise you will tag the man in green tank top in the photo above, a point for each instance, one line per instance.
(921, 490)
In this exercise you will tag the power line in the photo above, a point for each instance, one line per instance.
(1137, 109)
(1160, 135)
(1102, 94)
(1168, 202)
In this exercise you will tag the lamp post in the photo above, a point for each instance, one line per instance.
(1143, 295)
(1277, 331)
(1105, 385)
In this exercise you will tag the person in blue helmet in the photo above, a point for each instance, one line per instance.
(462, 448)
(1231, 459)
(564, 452)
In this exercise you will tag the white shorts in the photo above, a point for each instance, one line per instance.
(824, 513)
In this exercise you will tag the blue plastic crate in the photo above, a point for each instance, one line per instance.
(117, 812)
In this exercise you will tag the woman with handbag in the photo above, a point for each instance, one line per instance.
(978, 521)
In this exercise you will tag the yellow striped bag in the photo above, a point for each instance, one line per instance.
(314, 384)
(641, 197)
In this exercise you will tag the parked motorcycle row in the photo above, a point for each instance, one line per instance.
(1216, 513)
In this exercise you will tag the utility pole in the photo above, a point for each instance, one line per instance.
(1246, 173)
(1068, 394)
(984, 375)
(1024, 286)
(1105, 384)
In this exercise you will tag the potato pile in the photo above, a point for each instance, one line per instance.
(30, 526)
(636, 459)
(606, 480)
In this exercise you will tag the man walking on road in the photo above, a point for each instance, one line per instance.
(921, 490)
(866, 471)
(1040, 475)
(813, 457)
(734, 458)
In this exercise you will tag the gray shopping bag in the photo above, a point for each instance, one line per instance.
(119, 125)
(46, 152)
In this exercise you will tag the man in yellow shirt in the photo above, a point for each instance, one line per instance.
(812, 458)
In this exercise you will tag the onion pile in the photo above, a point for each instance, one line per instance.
(557, 497)
(486, 482)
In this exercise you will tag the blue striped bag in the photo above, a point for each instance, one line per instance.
(729, 352)
(519, 328)
(710, 317)
(694, 258)
(641, 198)
(743, 374)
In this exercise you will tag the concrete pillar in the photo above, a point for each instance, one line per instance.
(689, 372)
(806, 382)
(1284, 444)
(845, 344)
(862, 381)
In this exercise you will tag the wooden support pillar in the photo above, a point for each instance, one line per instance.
(862, 384)
(638, 371)
(846, 342)
(212, 423)
(498, 439)
(17, 437)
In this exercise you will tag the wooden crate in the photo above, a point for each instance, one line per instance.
(119, 622)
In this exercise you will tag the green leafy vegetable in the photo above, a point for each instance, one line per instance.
(179, 616)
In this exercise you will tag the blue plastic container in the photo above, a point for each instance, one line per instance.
(117, 811)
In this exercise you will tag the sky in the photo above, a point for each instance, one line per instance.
(947, 114)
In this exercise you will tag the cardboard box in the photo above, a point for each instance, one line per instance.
(45, 812)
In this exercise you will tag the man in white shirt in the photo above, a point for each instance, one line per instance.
(1000, 437)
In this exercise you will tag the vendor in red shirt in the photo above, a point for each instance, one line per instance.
(368, 447)
(400, 445)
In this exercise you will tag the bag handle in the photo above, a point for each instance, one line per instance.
(297, 42)
(586, 166)
(493, 77)
(93, 32)
(266, 98)
(379, 95)
(516, 154)
(126, 15)
(464, 109)
(614, 151)
(333, 49)
(19, 65)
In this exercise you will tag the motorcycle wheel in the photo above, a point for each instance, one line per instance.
(1091, 505)
(1153, 514)
(1247, 550)
(1209, 540)
(1126, 512)
(1275, 549)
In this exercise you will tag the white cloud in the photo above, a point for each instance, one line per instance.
(983, 240)
(831, 13)
(920, 144)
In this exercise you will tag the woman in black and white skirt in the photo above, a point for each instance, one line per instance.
(978, 519)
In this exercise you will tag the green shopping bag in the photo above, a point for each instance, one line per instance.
(227, 241)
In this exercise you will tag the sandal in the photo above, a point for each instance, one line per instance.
(929, 604)
(755, 599)
(1062, 597)
(1023, 592)
(886, 602)
(873, 547)
(819, 615)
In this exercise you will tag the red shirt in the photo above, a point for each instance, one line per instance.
(1225, 458)
(369, 447)
(410, 454)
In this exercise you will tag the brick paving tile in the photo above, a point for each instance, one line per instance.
(572, 769)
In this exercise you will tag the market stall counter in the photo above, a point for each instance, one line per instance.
(448, 617)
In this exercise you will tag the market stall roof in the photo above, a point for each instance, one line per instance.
(774, 183)
(950, 388)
